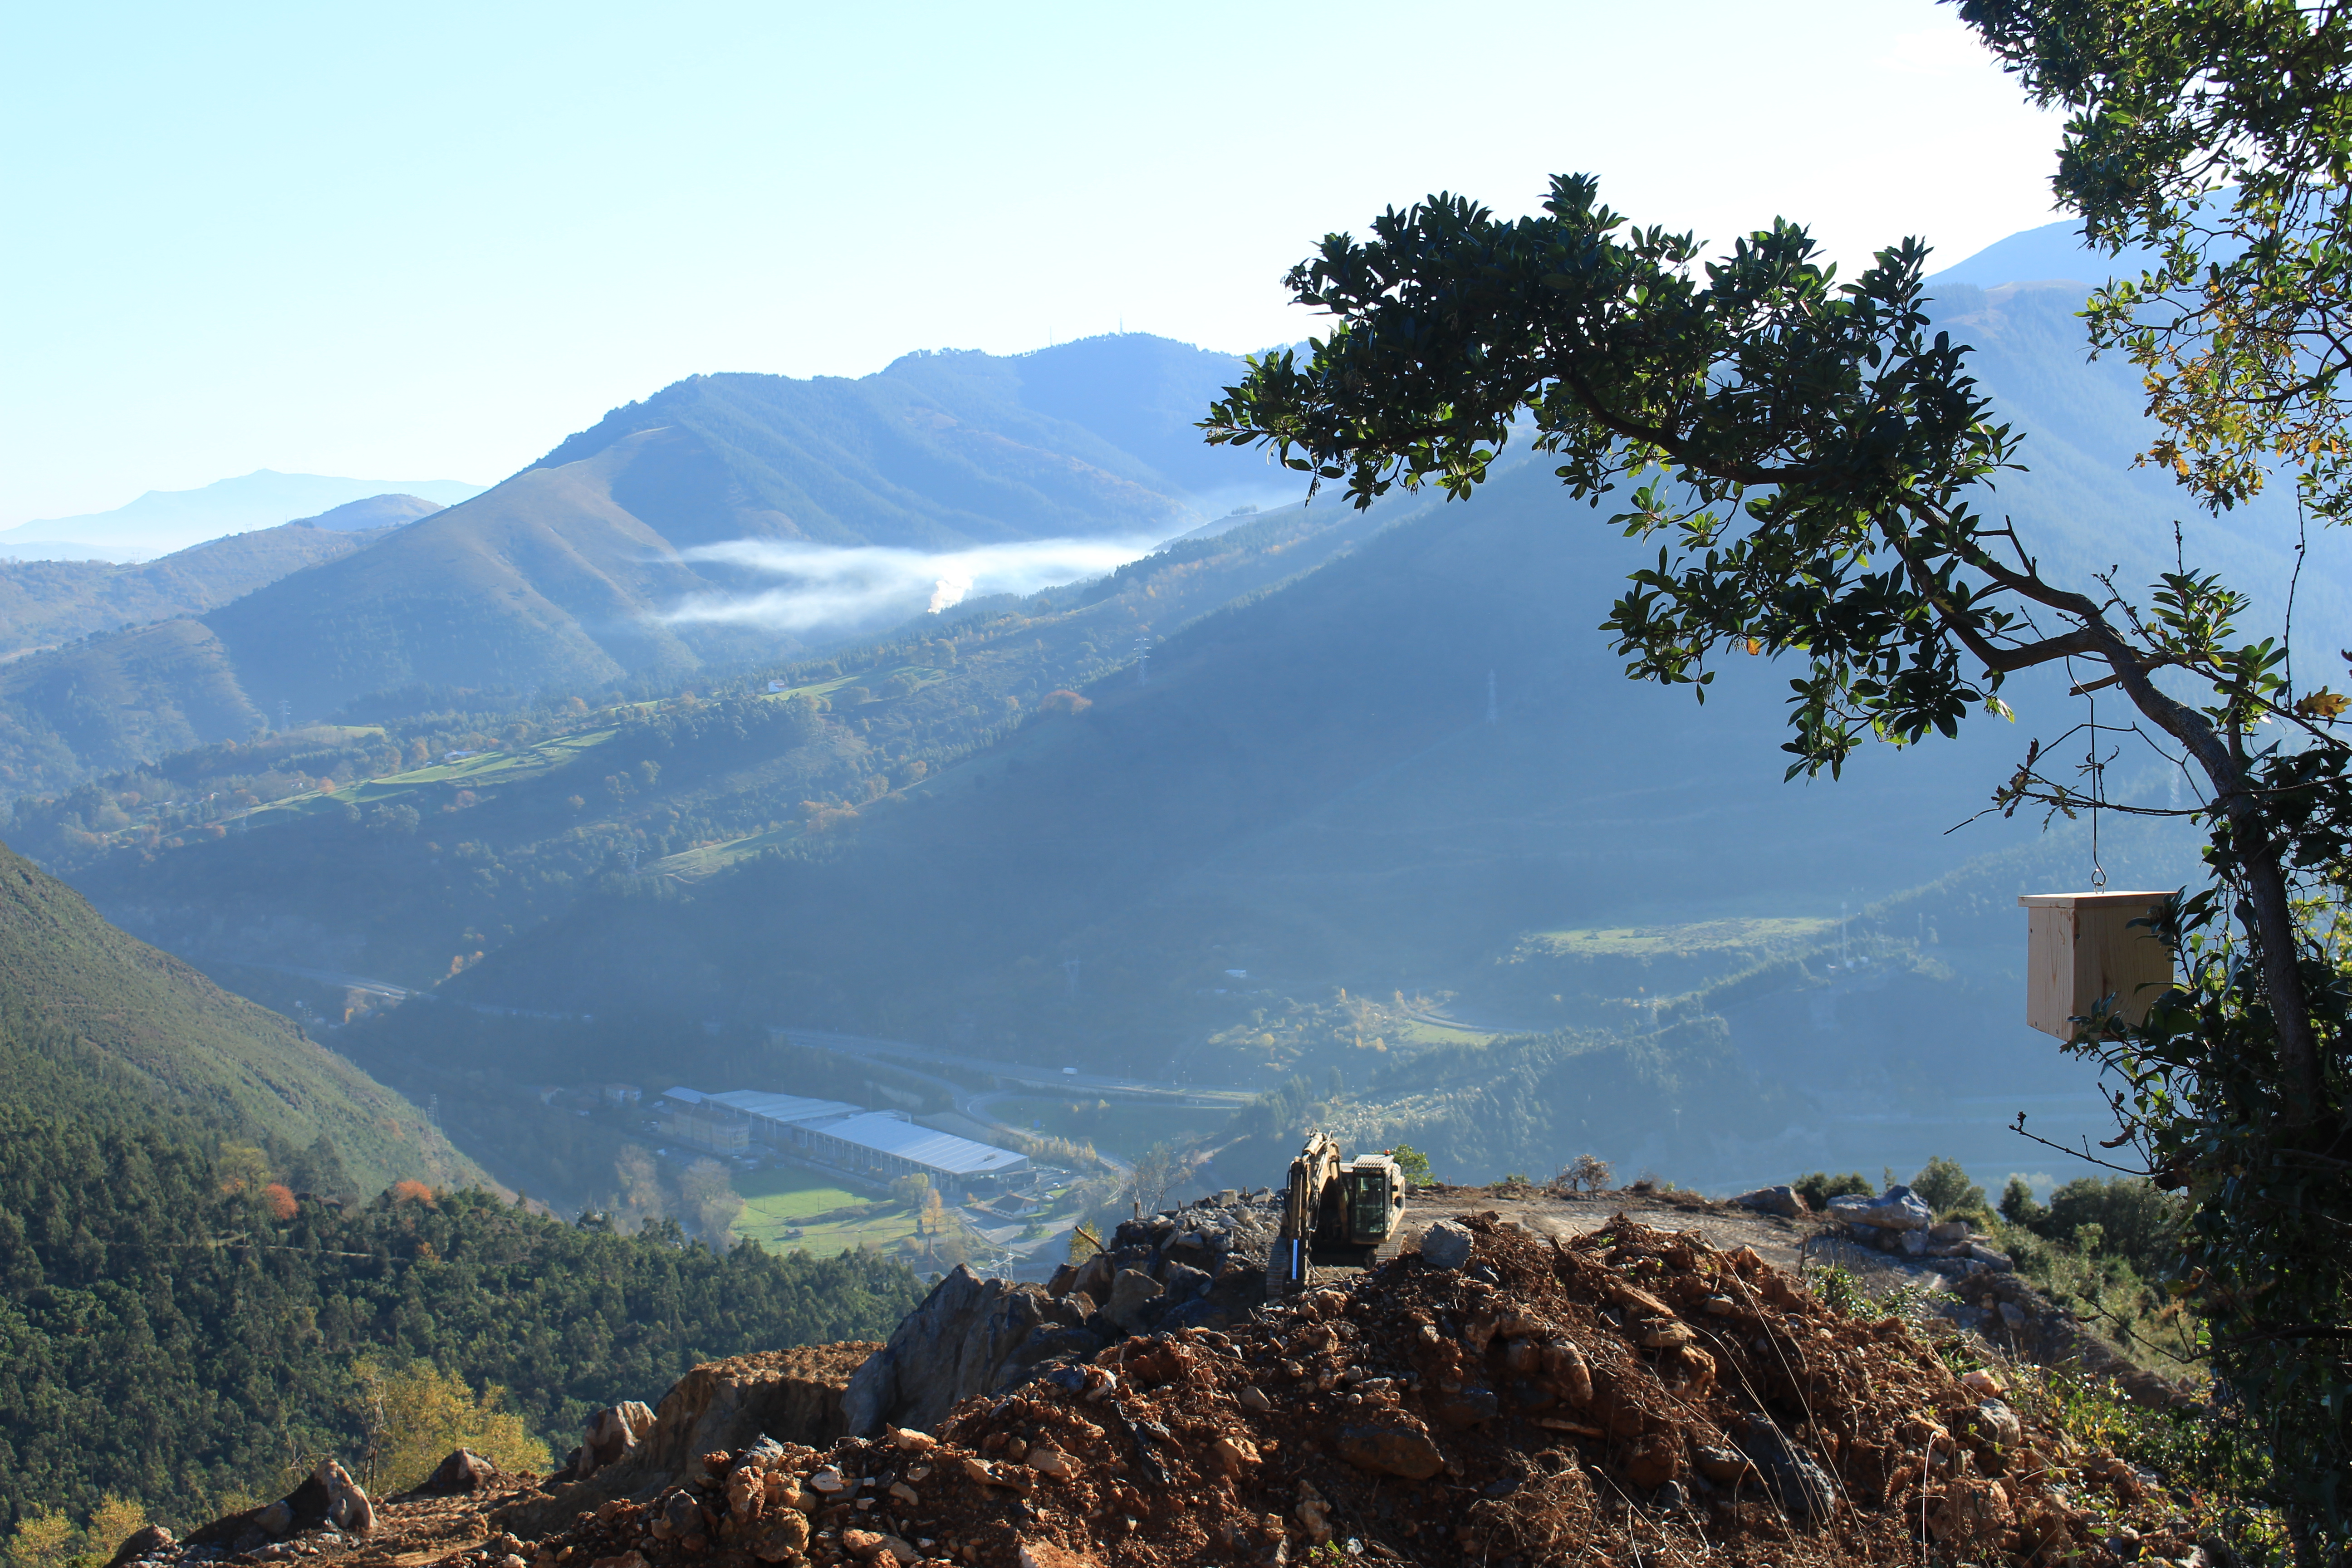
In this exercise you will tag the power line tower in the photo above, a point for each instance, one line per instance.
(1143, 659)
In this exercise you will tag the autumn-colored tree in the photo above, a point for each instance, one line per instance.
(1064, 702)
(412, 1192)
(242, 1168)
(414, 1414)
(280, 1199)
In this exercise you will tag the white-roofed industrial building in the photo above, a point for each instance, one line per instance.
(705, 1121)
(884, 1144)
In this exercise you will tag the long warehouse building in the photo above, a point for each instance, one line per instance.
(885, 1144)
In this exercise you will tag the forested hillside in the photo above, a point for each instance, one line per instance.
(184, 1330)
(93, 1021)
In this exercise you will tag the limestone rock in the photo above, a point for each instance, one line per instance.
(1783, 1200)
(1447, 1245)
(609, 1436)
(958, 1344)
(1128, 1292)
(1897, 1208)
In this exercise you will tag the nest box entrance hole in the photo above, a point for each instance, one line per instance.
(2082, 949)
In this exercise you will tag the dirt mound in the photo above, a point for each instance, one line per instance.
(1633, 1391)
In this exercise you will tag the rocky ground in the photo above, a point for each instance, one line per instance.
(1538, 1381)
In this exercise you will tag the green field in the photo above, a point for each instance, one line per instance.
(1675, 941)
(784, 1198)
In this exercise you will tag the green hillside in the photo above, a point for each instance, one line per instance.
(45, 602)
(233, 854)
(94, 1021)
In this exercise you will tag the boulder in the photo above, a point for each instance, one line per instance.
(1796, 1480)
(1999, 1262)
(608, 1437)
(1897, 1208)
(462, 1472)
(148, 1541)
(1129, 1293)
(958, 1344)
(1783, 1200)
(1184, 1282)
(1094, 1276)
(1392, 1448)
(1447, 1245)
(1947, 1232)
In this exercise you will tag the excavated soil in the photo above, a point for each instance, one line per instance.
(1627, 1395)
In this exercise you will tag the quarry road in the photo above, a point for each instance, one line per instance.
(1779, 1242)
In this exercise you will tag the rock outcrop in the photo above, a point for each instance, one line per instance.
(795, 1395)
(1201, 1265)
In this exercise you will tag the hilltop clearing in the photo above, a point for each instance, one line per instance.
(1497, 1397)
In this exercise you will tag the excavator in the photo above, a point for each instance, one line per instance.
(1345, 1214)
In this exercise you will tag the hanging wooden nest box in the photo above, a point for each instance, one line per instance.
(2082, 949)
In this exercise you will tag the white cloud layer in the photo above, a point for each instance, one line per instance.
(823, 587)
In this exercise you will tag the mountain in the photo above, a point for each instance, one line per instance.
(44, 603)
(94, 1022)
(1383, 755)
(371, 513)
(565, 576)
(161, 521)
(2054, 252)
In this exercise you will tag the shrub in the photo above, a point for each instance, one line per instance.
(1818, 1187)
(2019, 1206)
(1943, 1186)
(1589, 1172)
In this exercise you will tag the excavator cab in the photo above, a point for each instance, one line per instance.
(1372, 1191)
(1337, 1212)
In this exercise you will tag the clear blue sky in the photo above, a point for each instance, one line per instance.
(429, 241)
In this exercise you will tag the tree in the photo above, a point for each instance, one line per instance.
(1414, 1165)
(414, 1415)
(1810, 457)
(712, 1200)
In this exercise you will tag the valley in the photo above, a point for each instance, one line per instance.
(1370, 755)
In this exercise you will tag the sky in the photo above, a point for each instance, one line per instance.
(432, 240)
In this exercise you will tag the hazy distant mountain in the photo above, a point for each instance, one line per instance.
(163, 521)
(559, 575)
(44, 603)
(374, 511)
